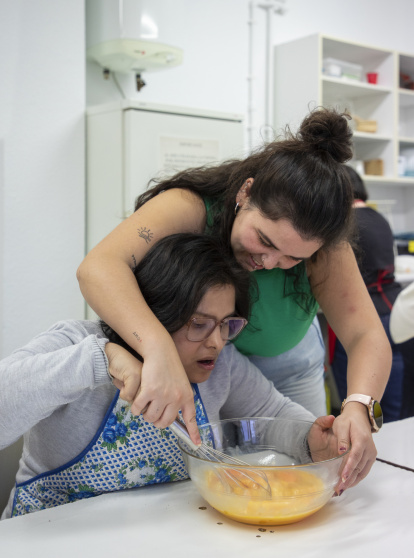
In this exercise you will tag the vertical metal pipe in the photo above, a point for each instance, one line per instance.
(270, 8)
(250, 79)
(267, 74)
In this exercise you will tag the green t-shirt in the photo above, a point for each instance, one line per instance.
(278, 321)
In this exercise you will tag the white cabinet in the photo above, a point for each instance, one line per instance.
(129, 143)
(319, 70)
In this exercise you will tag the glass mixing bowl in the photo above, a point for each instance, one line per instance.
(275, 450)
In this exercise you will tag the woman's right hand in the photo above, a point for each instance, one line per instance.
(157, 388)
(165, 390)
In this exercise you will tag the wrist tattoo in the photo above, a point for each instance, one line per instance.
(134, 260)
(137, 337)
(146, 234)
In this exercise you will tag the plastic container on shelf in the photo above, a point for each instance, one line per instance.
(372, 77)
(339, 68)
(402, 165)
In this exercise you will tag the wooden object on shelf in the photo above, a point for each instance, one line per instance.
(374, 167)
(365, 125)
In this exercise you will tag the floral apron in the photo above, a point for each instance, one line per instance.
(126, 452)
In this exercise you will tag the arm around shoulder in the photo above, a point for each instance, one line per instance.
(105, 276)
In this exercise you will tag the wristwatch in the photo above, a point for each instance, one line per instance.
(373, 408)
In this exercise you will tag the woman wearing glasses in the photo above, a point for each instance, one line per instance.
(81, 437)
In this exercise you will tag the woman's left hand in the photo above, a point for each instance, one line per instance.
(125, 371)
(323, 443)
(352, 428)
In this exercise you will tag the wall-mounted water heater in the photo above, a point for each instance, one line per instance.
(123, 36)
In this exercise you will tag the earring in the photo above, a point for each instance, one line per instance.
(236, 208)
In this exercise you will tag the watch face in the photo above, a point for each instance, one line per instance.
(377, 414)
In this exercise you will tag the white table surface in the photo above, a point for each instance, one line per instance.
(374, 519)
(395, 443)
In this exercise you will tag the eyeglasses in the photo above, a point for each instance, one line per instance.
(199, 329)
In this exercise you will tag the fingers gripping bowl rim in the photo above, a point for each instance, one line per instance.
(274, 447)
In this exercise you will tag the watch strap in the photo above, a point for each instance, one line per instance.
(375, 417)
(359, 397)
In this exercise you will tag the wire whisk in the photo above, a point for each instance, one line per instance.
(231, 476)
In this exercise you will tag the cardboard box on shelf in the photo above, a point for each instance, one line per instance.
(374, 167)
(365, 125)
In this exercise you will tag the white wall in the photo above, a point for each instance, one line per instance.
(213, 36)
(42, 154)
(380, 23)
(42, 101)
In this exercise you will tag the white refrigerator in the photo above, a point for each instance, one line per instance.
(130, 142)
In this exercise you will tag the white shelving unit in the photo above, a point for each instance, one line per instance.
(301, 84)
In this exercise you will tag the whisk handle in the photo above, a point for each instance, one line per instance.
(180, 430)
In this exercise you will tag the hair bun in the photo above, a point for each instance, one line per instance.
(327, 129)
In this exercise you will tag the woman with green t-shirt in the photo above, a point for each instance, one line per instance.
(285, 212)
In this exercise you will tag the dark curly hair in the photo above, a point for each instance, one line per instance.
(300, 178)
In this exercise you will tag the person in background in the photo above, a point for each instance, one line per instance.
(284, 212)
(374, 247)
(81, 438)
(402, 332)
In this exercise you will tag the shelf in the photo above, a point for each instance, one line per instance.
(353, 89)
(367, 137)
(406, 97)
(370, 58)
(389, 180)
(386, 103)
(352, 51)
(406, 142)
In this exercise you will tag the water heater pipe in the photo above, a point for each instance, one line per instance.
(275, 7)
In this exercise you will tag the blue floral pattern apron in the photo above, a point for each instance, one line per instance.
(126, 452)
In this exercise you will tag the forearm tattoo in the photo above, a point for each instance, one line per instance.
(146, 234)
(137, 337)
(134, 260)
